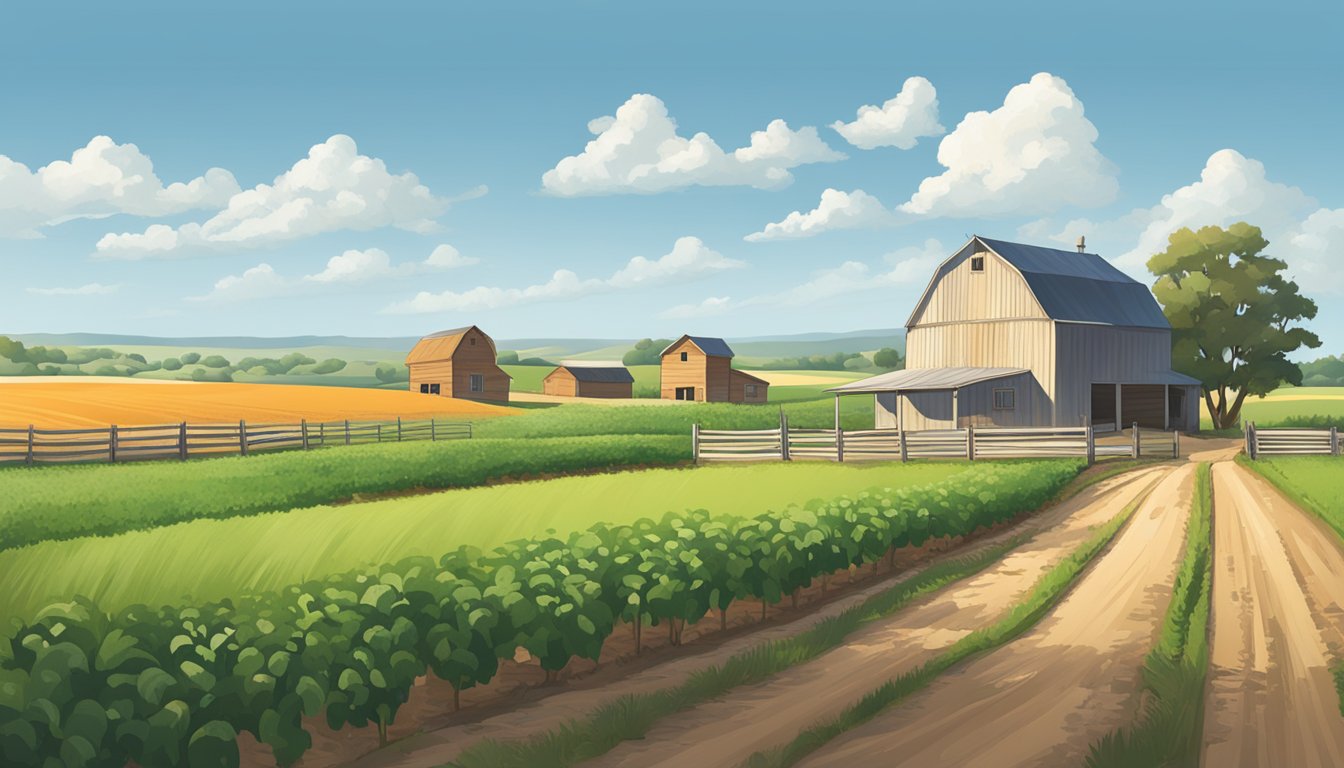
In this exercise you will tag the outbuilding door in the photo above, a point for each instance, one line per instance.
(685, 393)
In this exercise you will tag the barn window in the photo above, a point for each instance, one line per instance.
(477, 382)
(433, 388)
(978, 262)
(424, 389)
(473, 341)
(1005, 399)
(683, 357)
(751, 390)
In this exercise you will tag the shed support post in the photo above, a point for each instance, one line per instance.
(242, 436)
(1119, 420)
(303, 432)
(837, 413)
(695, 443)
(1135, 429)
(1166, 406)
(1091, 445)
(956, 415)
(112, 444)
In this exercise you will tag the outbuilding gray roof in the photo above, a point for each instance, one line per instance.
(707, 344)
(913, 379)
(1081, 287)
(607, 374)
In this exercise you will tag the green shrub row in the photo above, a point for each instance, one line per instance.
(175, 686)
(72, 501)
(855, 413)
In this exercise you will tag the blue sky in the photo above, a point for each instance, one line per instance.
(444, 129)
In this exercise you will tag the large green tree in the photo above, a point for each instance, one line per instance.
(1234, 317)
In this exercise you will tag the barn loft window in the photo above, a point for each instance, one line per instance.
(1005, 399)
(473, 341)
(683, 357)
(978, 262)
(477, 382)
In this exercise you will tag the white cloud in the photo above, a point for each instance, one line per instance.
(1035, 154)
(101, 179)
(1231, 188)
(333, 188)
(259, 282)
(688, 258)
(373, 263)
(837, 210)
(638, 150)
(900, 122)
(88, 289)
(714, 305)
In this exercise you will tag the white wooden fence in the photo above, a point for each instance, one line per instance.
(1291, 442)
(33, 445)
(786, 444)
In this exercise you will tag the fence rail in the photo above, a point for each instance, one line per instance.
(33, 445)
(1290, 442)
(786, 444)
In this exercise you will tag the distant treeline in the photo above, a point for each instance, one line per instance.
(1325, 372)
(511, 358)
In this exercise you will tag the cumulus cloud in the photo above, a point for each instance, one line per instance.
(900, 122)
(689, 258)
(333, 188)
(259, 282)
(1035, 154)
(373, 263)
(837, 210)
(101, 179)
(714, 305)
(88, 289)
(1231, 188)
(638, 150)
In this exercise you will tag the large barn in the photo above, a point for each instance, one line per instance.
(1019, 335)
(460, 362)
(700, 368)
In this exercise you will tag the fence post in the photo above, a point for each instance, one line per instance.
(347, 431)
(784, 436)
(112, 444)
(432, 435)
(398, 429)
(182, 441)
(29, 459)
(1253, 440)
(303, 432)
(242, 436)
(379, 433)
(1334, 441)
(839, 444)
(970, 442)
(900, 438)
(695, 443)
(1091, 446)
(1176, 444)
(1135, 430)
(468, 430)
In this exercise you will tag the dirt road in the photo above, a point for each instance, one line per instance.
(752, 718)
(1278, 588)
(1044, 698)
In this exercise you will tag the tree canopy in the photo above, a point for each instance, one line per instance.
(1234, 317)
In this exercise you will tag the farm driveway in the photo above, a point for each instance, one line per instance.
(753, 718)
(1278, 588)
(729, 730)
(1044, 698)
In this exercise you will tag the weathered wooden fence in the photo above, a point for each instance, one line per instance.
(786, 444)
(1290, 442)
(183, 440)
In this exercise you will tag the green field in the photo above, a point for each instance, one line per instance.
(527, 378)
(211, 559)
(1289, 404)
(1314, 482)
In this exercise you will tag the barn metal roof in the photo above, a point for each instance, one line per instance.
(707, 344)
(913, 379)
(1081, 287)
(606, 374)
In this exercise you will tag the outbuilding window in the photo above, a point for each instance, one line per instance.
(683, 357)
(1005, 399)
(424, 389)
(477, 382)
(751, 390)
(433, 389)
(978, 263)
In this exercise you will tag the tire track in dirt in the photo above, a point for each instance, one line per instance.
(729, 730)
(1057, 531)
(1278, 583)
(1045, 697)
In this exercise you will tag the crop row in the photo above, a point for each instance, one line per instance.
(176, 686)
(67, 502)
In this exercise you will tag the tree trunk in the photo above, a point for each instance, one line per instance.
(382, 732)
(824, 578)
(639, 633)
(457, 699)
(763, 608)
(671, 631)
(723, 619)
(794, 597)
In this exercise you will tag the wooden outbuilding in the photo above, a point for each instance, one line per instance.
(700, 368)
(1017, 335)
(573, 380)
(458, 363)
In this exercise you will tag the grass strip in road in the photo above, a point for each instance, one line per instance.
(1044, 595)
(630, 717)
(1169, 730)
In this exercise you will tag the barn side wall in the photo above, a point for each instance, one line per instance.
(1103, 354)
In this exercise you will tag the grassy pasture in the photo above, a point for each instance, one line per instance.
(1288, 404)
(212, 559)
(1314, 482)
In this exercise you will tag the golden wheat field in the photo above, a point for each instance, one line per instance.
(69, 405)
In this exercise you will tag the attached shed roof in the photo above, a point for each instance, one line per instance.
(1081, 287)
(607, 374)
(913, 379)
(707, 344)
(745, 375)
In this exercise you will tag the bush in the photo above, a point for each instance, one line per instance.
(646, 352)
(171, 364)
(108, 370)
(186, 681)
(855, 413)
(888, 358)
(507, 358)
(390, 374)
(190, 358)
(215, 361)
(63, 502)
(330, 365)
